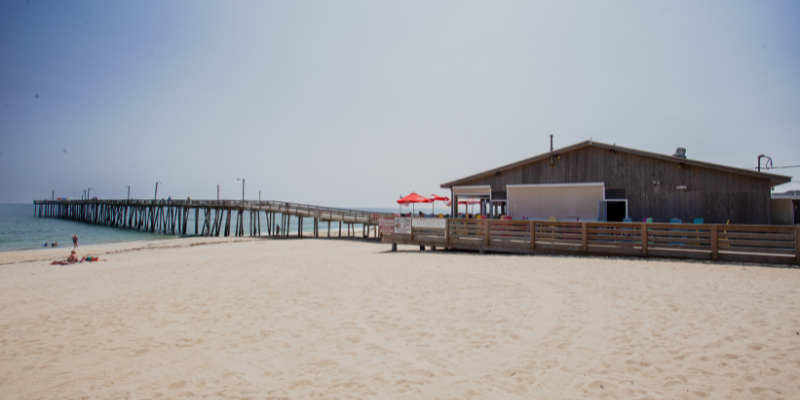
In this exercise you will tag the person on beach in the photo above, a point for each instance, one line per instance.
(277, 230)
(75, 240)
(72, 259)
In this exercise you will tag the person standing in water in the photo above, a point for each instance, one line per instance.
(75, 240)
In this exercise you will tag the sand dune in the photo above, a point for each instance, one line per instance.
(345, 319)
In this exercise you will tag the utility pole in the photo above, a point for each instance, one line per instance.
(767, 165)
(217, 192)
(242, 179)
(54, 195)
(129, 191)
(156, 195)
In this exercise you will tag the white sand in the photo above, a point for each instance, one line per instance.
(345, 319)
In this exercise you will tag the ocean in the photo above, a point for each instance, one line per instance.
(21, 230)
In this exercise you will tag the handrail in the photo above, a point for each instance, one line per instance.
(759, 243)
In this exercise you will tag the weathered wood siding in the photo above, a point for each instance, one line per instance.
(715, 196)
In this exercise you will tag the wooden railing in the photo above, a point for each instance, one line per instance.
(750, 243)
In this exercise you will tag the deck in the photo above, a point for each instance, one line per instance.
(746, 243)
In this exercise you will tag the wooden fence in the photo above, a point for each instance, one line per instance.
(749, 243)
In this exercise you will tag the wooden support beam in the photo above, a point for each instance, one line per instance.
(644, 239)
(584, 238)
(714, 242)
(485, 232)
(533, 235)
(797, 245)
(446, 232)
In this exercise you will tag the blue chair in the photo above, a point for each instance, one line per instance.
(676, 221)
(697, 221)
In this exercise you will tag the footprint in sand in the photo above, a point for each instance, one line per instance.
(177, 385)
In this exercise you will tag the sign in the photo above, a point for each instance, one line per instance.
(402, 225)
(428, 223)
(386, 225)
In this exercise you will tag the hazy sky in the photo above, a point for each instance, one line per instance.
(354, 103)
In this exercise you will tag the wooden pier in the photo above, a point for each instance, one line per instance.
(211, 217)
(744, 243)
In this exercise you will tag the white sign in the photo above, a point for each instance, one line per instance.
(429, 223)
(386, 225)
(402, 225)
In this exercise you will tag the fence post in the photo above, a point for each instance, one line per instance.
(447, 232)
(644, 239)
(584, 237)
(533, 235)
(797, 245)
(714, 242)
(486, 232)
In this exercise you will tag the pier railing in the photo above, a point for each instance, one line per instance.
(749, 243)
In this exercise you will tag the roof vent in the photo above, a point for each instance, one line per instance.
(681, 152)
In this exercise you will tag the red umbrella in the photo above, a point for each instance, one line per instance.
(413, 198)
(467, 203)
(437, 198)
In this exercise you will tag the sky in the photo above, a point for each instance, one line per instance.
(352, 104)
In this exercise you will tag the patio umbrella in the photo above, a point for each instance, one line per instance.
(437, 198)
(412, 199)
(466, 202)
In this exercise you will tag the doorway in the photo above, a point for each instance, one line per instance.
(616, 211)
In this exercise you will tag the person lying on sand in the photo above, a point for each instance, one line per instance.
(72, 259)
(91, 259)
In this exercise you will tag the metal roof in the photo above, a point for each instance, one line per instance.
(774, 179)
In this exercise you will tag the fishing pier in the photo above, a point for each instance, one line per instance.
(210, 217)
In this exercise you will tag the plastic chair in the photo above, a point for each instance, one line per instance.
(697, 221)
(552, 218)
(627, 220)
(725, 239)
(676, 221)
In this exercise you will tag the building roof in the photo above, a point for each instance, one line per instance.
(774, 179)
(791, 194)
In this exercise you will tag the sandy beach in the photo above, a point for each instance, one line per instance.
(312, 318)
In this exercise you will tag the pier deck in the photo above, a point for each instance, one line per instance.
(211, 217)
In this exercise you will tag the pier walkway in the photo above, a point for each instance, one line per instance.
(211, 217)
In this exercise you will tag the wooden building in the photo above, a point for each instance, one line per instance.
(592, 181)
